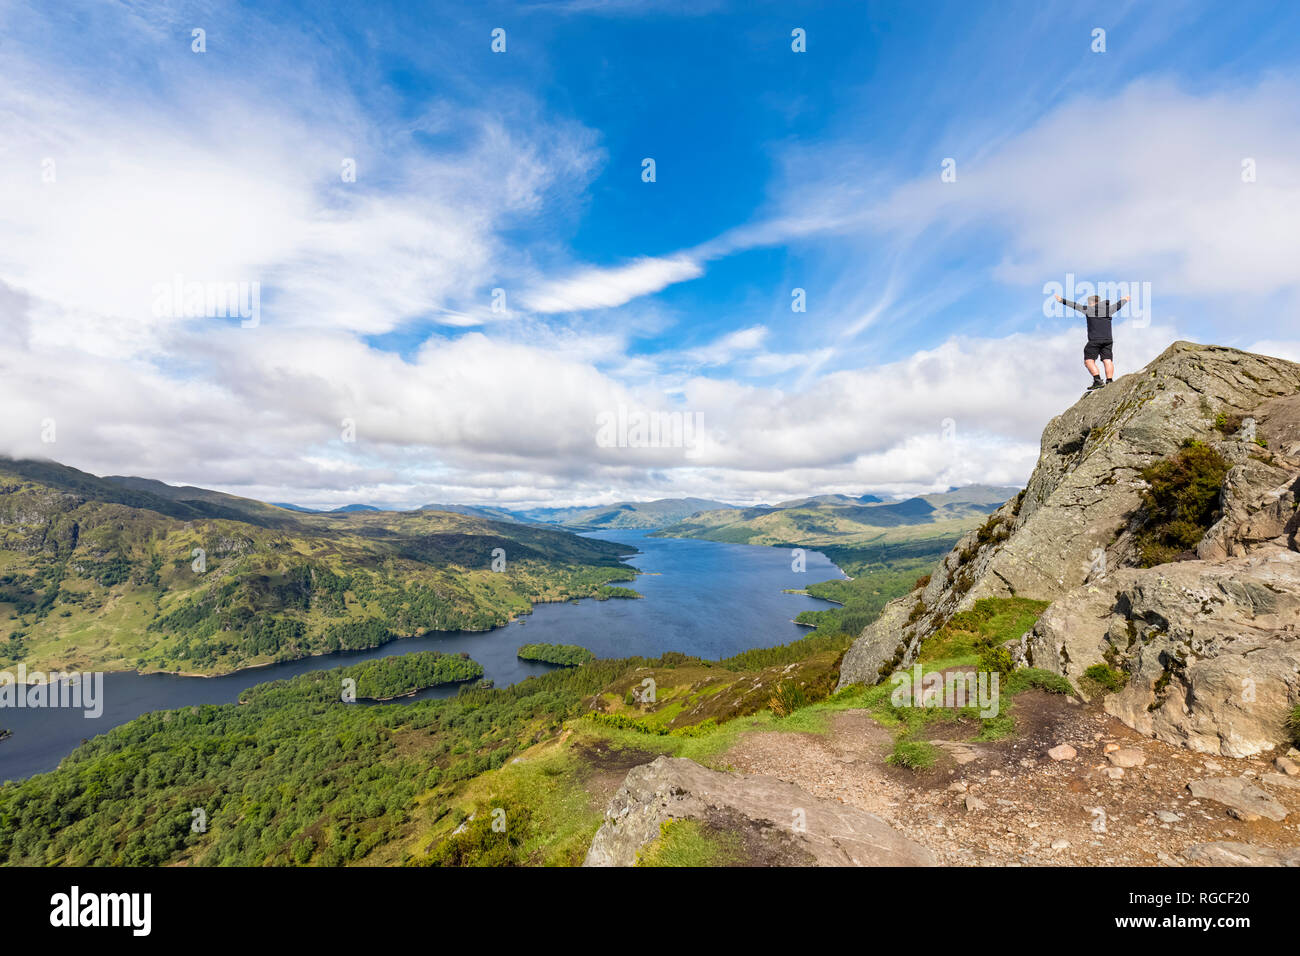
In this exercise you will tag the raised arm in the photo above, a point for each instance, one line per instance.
(1074, 305)
(1119, 305)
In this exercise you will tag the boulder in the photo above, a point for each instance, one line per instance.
(1239, 794)
(788, 824)
(1225, 853)
(1127, 758)
(1213, 652)
(1280, 780)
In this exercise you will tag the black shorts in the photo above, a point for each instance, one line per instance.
(1098, 350)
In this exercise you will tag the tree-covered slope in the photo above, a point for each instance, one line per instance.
(119, 574)
(291, 774)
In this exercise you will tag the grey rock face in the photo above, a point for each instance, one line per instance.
(789, 822)
(1212, 648)
(1213, 644)
(883, 647)
(1224, 853)
(1215, 656)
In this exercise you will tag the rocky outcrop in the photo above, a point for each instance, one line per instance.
(1215, 662)
(780, 822)
(1211, 645)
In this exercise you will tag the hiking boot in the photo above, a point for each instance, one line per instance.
(1096, 385)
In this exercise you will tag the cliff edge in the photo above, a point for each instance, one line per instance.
(1209, 639)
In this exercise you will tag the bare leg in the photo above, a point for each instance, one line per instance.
(1110, 368)
(1091, 366)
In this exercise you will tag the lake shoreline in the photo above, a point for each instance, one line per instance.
(513, 617)
(684, 584)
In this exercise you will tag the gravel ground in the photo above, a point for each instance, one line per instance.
(1008, 803)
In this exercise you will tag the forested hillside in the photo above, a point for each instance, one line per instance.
(131, 573)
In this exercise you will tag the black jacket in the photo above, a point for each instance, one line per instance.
(1098, 318)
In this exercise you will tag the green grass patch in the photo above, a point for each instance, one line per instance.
(691, 843)
(1106, 678)
(913, 754)
(1027, 678)
(969, 634)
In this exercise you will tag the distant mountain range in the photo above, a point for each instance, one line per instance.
(844, 520)
(718, 520)
(346, 509)
(623, 514)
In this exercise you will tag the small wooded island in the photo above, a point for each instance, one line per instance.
(385, 678)
(607, 591)
(566, 655)
(401, 676)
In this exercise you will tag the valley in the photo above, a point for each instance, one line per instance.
(724, 739)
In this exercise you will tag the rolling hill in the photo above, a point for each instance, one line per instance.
(841, 520)
(626, 514)
(623, 514)
(130, 573)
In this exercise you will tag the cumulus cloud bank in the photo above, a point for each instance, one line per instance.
(377, 320)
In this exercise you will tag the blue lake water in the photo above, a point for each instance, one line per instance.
(700, 597)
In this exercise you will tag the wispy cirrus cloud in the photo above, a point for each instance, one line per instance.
(604, 288)
(477, 172)
(223, 183)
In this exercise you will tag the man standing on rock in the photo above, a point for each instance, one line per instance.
(1100, 338)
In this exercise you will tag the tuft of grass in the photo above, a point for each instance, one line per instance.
(1228, 424)
(1035, 677)
(997, 728)
(913, 754)
(788, 698)
(1293, 724)
(1107, 677)
(996, 658)
(918, 611)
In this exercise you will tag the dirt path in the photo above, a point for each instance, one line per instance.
(1008, 803)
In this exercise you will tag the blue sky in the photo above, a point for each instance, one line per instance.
(924, 357)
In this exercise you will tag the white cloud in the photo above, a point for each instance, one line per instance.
(477, 419)
(1280, 349)
(603, 288)
(217, 188)
(727, 347)
(1146, 185)
(218, 184)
